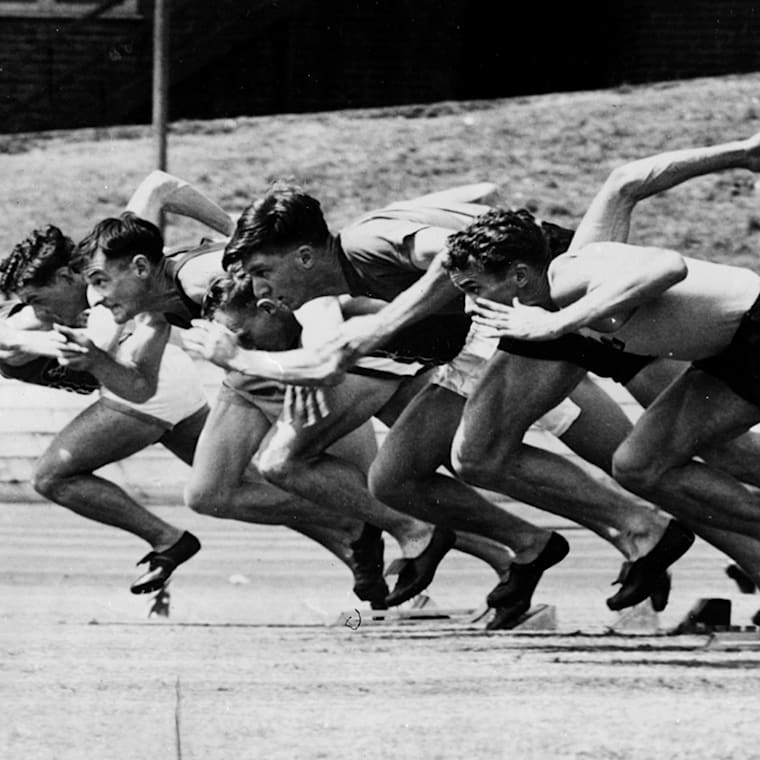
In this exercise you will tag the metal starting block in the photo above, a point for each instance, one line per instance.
(641, 618)
(540, 617)
(706, 616)
(737, 637)
(421, 609)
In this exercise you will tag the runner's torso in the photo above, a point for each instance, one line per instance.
(694, 319)
(377, 256)
(181, 307)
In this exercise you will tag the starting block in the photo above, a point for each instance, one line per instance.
(706, 616)
(421, 609)
(540, 617)
(737, 637)
(641, 618)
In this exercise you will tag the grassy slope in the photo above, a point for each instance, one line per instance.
(549, 152)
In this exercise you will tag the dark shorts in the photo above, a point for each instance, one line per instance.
(738, 366)
(600, 358)
(431, 341)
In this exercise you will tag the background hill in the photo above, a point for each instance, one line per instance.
(547, 152)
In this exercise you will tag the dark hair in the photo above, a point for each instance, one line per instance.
(498, 238)
(124, 237)
(35, 260)
(232, 290)
(285, 217)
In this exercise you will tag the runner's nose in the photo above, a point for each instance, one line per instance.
(260, 287)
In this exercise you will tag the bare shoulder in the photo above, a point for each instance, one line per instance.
(196, 275)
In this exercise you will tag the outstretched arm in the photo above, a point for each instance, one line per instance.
(300, 366)
(361, 335)
(609, 215)
(129, 370)
(160, 191)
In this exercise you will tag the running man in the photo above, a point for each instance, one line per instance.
(284, 243)
(613, 296)
(129, 271)
(246, 408)
(45, 274)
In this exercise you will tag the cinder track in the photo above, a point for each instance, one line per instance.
(249, 670)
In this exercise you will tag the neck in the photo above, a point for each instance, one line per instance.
(328, 278)
(162, 291)
(540, 295)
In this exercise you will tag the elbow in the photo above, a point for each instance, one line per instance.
(675, 268)
(625, 182)
(156, 187)
(141, 392)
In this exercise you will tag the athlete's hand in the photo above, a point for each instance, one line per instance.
(356, 337)
(17, 346)
(77, 350)
(304, 405)
(210, 341)
(499, 320)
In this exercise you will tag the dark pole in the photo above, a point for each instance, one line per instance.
(160, 79)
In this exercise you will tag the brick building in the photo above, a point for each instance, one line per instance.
(64, 64)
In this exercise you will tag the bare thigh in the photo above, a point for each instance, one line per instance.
(351, 403)
(419, 442)
(230, 437)
(512, 393)
(695, 411)
(96, 437)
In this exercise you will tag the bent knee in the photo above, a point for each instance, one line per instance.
(206, 501)
(387, 486)
(276, 466)
(636, 470)
(49, 477)
(478, 471)
(475, 460)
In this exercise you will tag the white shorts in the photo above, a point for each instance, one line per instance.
(179, 393)
(462, 373)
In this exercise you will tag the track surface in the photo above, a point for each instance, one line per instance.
(245, 667)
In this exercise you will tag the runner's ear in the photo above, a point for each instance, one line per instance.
(305, 256)
(141, 265)
(64, 275)
(521, 273)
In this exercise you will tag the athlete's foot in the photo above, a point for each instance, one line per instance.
(367, 567)
(743, 580)
(506, 618)
(416, 573)
(161, 564)
(512, 595)
(644, 576)
(660, 591)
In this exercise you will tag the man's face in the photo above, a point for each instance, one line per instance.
(476, 283)
(268, 329)
(63, 300)
(119, 284)
(280, 276)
